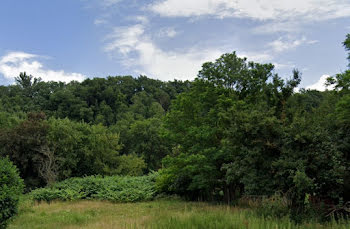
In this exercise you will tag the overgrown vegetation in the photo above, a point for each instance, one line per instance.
(112, 188)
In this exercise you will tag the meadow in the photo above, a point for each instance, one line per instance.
(153, 214)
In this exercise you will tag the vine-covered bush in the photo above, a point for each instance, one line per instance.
(112, 188)
(11, 187)
(276, 206)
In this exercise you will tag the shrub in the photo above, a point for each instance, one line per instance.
(11, 187)
(276, 206)
(112, 188)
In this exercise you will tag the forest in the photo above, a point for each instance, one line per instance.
(239, 133)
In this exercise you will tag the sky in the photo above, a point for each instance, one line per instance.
(64, 40)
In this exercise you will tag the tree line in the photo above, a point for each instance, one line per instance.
(53, 131)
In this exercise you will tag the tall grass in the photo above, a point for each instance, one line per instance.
(170, 214)
(231, 218)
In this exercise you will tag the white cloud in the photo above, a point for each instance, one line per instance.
(136, 50)
(271, 27)
(320, 84)
(142, 19)
(167, 32)
(99, 21)
(284, 66)
(140, 52)
(282, 44)
(188, 8)
(15, 62)
(256, 57)
(125, 39)
(169, 65)
(314, 10)
(107, 3)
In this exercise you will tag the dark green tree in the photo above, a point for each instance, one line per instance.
(11, 187)
(26, 146)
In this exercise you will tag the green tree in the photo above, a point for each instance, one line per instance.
(341, 81)
(147, 141)
(231, 117)
(11, 187)
(28, 83)
(26, 146)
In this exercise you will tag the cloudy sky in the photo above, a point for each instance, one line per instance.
(66, 40)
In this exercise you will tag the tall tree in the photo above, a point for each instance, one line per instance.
(230, 119)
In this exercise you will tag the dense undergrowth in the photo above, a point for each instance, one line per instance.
(123, 189)
(111, 188)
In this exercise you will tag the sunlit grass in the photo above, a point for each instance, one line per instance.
(156, 214)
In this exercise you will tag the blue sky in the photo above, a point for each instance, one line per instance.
(65, 40)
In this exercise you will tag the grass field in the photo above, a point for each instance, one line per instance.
(156, 214)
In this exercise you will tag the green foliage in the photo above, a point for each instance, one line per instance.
(49, 150)
(26, 145)
(147, 141)
(8, 120)
(130, 165)
(11, 187)
(343, 110)
(300, 197)
(118, 101)
(276, 206)
(252, 136)
(230, 122)
(341, 81)
(83, 149)
(112, 188)
(252, 141)
(187, 175)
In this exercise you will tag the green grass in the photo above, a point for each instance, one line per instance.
(155, 214)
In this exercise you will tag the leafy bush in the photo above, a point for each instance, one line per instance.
(276, 206)
(112, 188)
(11, 187)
